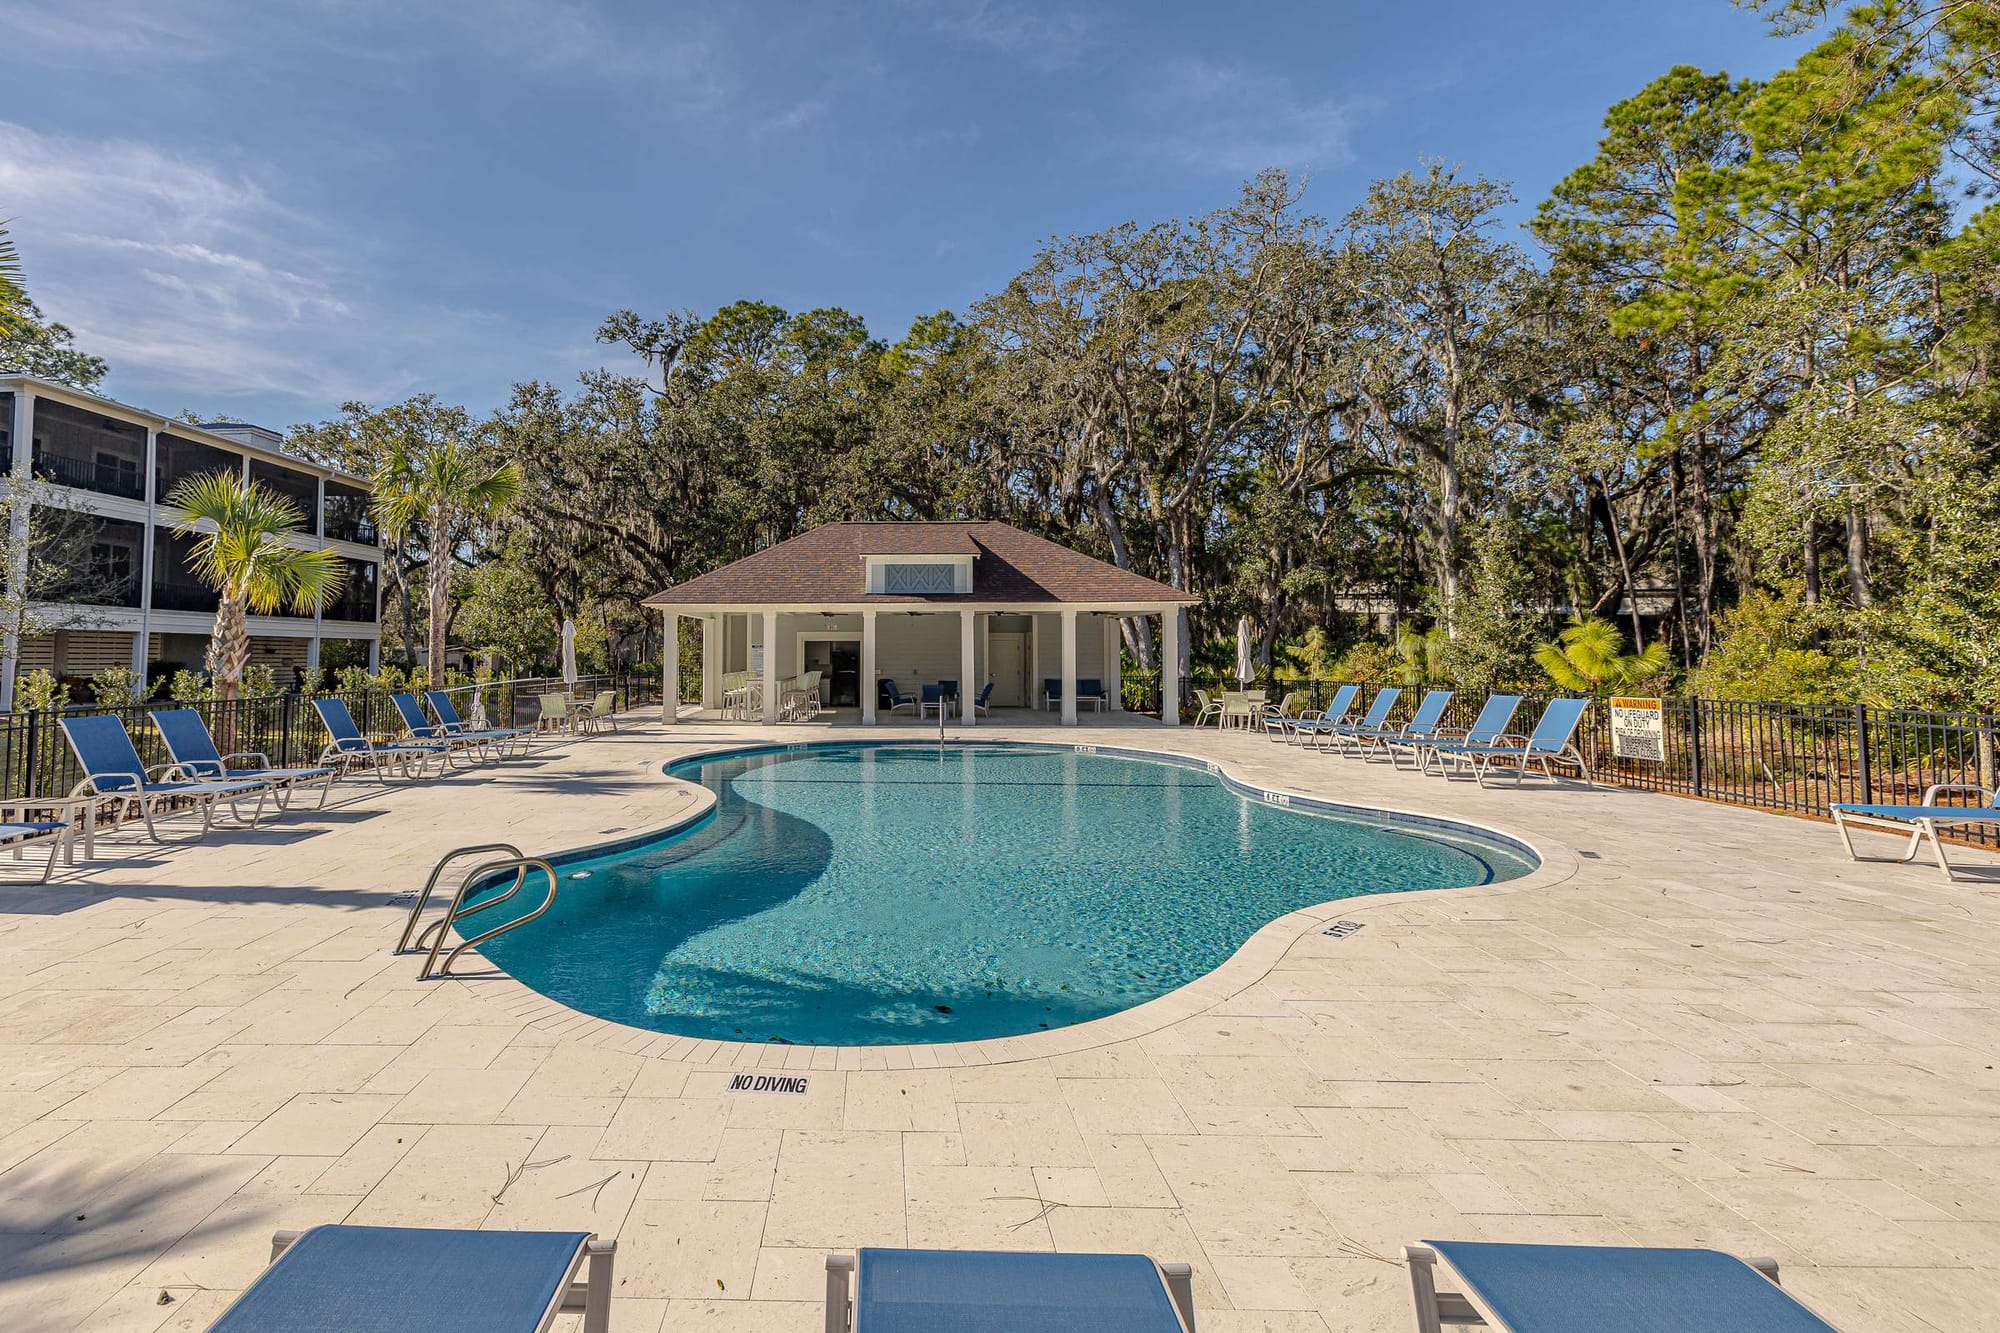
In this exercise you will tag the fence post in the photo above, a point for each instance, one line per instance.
(1861, 739)
(34, 753)
(1694, 741)
(285, 734)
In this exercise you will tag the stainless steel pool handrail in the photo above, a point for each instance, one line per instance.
(430, 886)
(458, 910)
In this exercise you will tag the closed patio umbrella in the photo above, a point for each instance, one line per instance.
(569, 653)
(1246, 669)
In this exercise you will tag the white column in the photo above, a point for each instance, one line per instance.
(21, 466)
(1035, 662)
(1068, 667)
(968, 681)
(868, 686)
(1114, 664)
(670, 668)
(1170, 666)
(375, 654)
(143, 639)
(711, 663)
(770, 668)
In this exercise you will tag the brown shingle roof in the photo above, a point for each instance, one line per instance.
(825, 566)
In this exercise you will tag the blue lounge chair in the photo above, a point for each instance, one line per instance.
(893, 698)
(1919, 821)
(1091, 691)
(932, 699)
(983, 1291)
(419, 729)
(1374, 720)
(1550, 742)
(112, 769)
(1423, 724)
(979, 702)
(347, 1279)
(448, 718)
(1600, 1288)
(189, 742)
(1335, 713)
(347, 749)
(1051, 693)
(1495, 716)
(15, 835)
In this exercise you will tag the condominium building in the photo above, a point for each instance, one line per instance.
(138, 603)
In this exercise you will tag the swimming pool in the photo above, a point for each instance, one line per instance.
(867, 894)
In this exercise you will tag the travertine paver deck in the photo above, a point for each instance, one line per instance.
(1695, 1026)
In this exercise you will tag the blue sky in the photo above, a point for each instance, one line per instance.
(262, 209)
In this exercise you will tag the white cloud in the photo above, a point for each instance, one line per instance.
(1229, 119)
(199, 285)
(1048, 41)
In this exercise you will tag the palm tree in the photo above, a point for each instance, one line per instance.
(1589, 657)
(443, 481)
(241, 549)
(13, 297)
(1420, 657)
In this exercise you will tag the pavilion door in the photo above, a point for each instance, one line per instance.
(1007, 668)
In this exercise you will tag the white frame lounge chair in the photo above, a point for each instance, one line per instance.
(1424, 724)
(1488, 728)
(1601, 1289)
(418, 729)
(1552, 741)
(896, 698)
(193, 747)
(1919, 821)
(59, 834)
(1336, 711)
(446, 712)
(1374, 720)
(357, 1279)
(348, 749)
(113, 771)
(987, 1291)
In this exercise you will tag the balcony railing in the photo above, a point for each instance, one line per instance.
(104, 477)
(184, 597)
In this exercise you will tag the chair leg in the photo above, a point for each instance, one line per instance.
(1937, 848)
(598, 1287)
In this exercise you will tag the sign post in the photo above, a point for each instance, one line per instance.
(1638, 730)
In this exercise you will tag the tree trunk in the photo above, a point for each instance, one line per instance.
(1857, 558)
(1137, 630)
(1811, 563)
(228, 657)
(440, 586)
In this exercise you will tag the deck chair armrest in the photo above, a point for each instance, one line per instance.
(263, 760)
(92, 785)
(1932, 792)
(173, 772)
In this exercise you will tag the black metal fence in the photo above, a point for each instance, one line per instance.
(1798, 758)
(35, 760)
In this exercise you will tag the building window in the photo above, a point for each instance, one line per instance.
(918, 580)
(357, 600)
(175, 587)
(348, 516)
(176, 459)
(95, 560)
(89, 451)
(301, 488)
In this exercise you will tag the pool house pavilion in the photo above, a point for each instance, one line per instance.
(881, 611)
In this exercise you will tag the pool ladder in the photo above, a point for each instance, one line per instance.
(436, 931)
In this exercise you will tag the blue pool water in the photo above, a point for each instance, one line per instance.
(872, 894)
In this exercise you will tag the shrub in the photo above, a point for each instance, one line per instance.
(115, 687)
(188, 687)
(39, 690)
